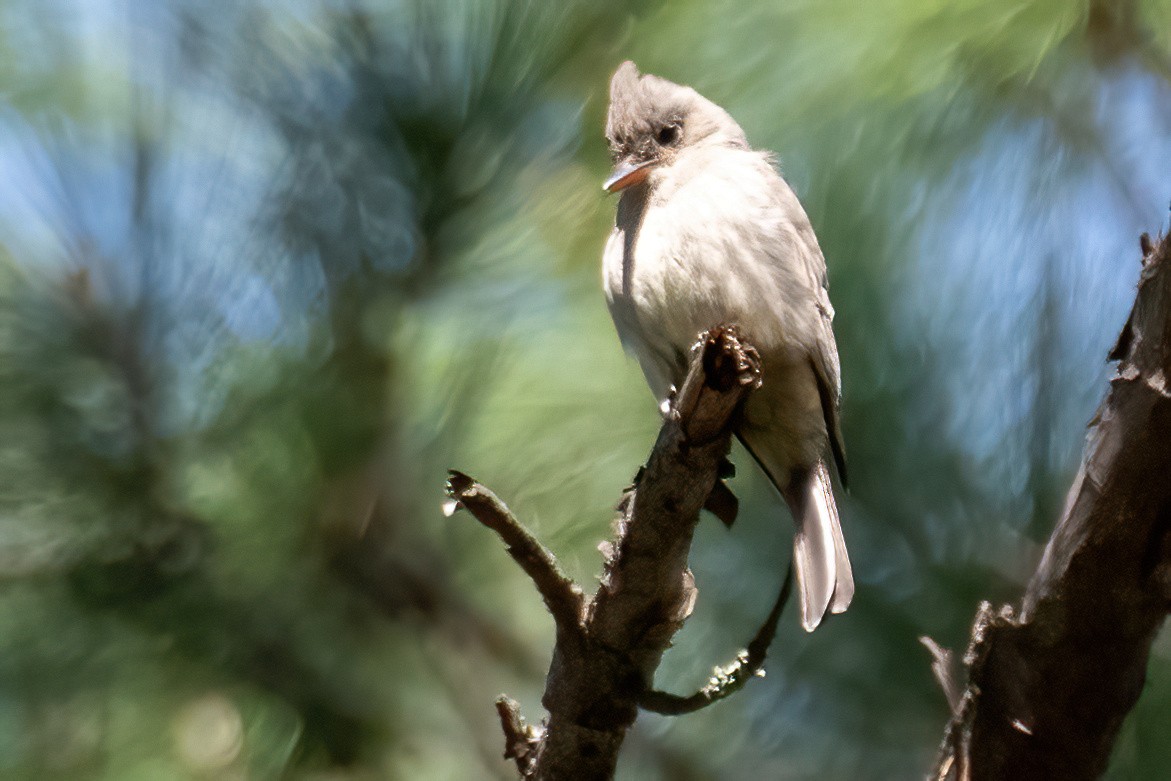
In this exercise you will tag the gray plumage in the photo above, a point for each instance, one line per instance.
(708, 233)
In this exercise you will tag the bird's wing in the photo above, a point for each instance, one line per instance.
(824, 360)
(823, 353)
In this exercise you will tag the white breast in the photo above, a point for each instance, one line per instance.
(720, 239)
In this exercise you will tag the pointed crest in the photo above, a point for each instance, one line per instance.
(642, 104)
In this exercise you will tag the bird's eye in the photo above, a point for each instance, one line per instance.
(668, 135)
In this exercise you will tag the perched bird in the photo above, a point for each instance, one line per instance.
(709, 233)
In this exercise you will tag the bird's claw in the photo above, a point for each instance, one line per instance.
(666, 404)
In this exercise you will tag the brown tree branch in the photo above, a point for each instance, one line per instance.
(604, 665)
(1049, 684)
(562, 596)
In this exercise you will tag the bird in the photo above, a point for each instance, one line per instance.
(707, 232)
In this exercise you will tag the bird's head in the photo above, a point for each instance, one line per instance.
(651, 120)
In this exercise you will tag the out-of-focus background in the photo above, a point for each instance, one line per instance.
(268, 268)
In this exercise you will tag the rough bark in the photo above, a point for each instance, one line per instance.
(608, 648)
(1050, 683)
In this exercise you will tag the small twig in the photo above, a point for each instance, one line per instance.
(943, 665)
(731, 678)
(951, 761)
(520, 739)
(562, 596)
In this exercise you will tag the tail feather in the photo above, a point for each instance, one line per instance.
(825, 580)
(844, 590)
(824, 576)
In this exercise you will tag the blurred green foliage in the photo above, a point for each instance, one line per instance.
(268, 269)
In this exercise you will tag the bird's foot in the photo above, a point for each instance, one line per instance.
(666, 404)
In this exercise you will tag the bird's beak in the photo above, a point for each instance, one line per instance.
(627, 173)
